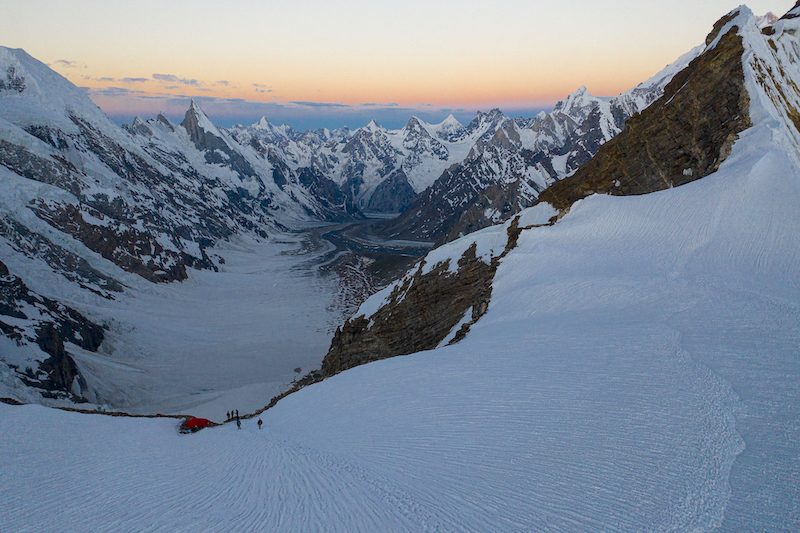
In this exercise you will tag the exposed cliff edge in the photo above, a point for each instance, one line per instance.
(683, 136)
(28, 320)
(433, 300)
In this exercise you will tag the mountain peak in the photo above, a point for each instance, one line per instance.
(200, 128)
(412, 124)
(165, 121)
(767, 20)
(578, 105)
(450, 120)
(373, 126)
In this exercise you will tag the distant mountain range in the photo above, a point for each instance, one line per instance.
(151, 198)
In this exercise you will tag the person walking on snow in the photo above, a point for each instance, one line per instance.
(259, 423)
(238, 423)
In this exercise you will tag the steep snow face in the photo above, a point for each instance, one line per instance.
(42, 96)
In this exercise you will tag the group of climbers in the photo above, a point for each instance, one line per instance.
(234, 415)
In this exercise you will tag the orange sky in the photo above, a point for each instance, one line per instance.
(145, 56)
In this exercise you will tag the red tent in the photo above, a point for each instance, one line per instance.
(195, 424)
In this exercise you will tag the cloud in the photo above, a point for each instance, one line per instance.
(319, 104)
(124, 80)
(172, 78)
(390, 104)
(222, 82)
(65, 63)
(261, 88)
(116, 92)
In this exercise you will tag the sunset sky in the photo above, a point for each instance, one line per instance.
(312, 63)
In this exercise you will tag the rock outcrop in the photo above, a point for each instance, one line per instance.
(682, 137)
(30, 319)
(421, 309)
(515, 159)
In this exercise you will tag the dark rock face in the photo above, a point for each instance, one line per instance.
(682, 137)
(125, 246)
(421, 311)
(393, 195)
(69, 265)
(215, 149)
(328, 193)
(60, 368)
(52, 324)
(13, 81)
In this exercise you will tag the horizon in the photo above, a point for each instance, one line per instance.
(391, 119)
(317, 64)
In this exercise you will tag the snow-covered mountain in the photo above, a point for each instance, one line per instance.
(381, 170)
(91, 204)
(635, 367)
(515, 159)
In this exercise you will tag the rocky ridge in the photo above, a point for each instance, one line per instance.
(92, 203)
(513, 162)
(683, 136)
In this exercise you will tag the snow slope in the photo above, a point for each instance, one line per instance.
(637, 370)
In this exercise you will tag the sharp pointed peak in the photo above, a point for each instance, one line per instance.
(450, 122)
(195, 107)
(413, 122)
(373, 125)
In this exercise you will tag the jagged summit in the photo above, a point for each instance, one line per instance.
(578, 104)
(766, 20)
(196, 118)
(373, 125)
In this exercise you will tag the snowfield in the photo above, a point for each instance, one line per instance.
(223, 340)
(638, 369)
